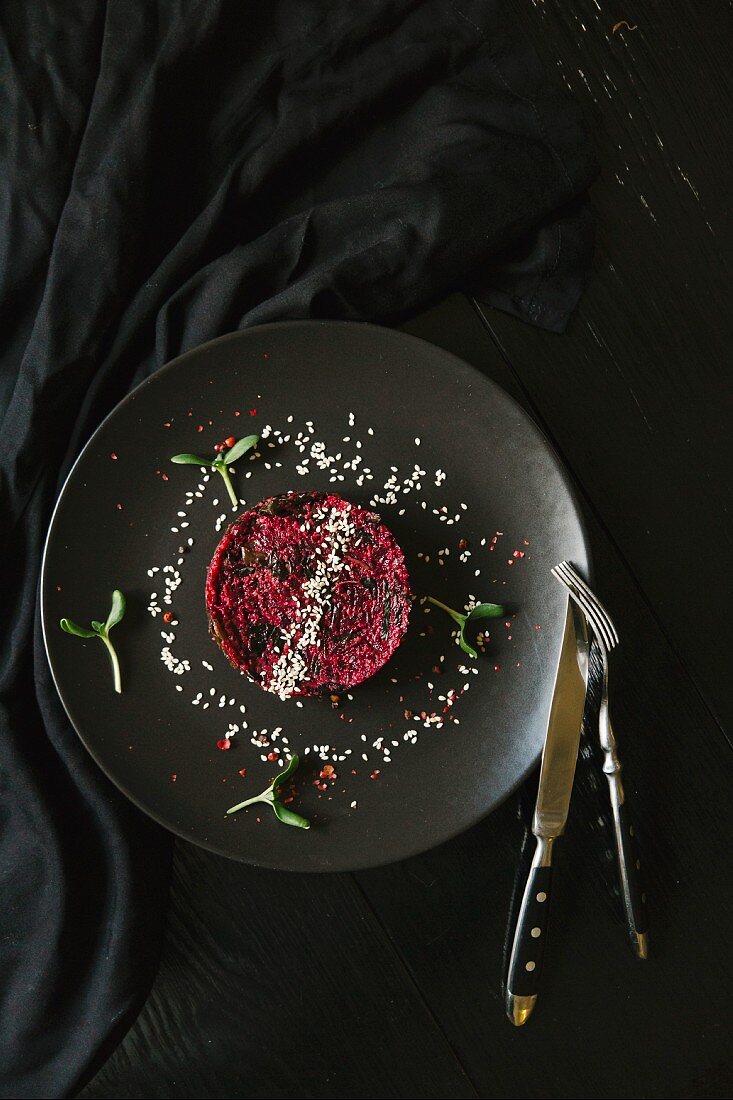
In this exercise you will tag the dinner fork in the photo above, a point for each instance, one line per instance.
(629, 866)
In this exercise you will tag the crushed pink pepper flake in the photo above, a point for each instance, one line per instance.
(253, 412)
(113, 456)
(167, 424)
(200, 428)
(224, 744)
(375, 774)
(237, 412)
(174, 777)
(243, 773)
(119, 507)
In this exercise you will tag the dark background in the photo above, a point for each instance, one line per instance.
(387, 983)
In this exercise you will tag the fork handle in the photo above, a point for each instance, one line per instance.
(627, 853)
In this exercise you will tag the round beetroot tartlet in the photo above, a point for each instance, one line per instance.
(307, 592)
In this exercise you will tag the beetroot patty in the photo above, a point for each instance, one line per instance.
(308, 592)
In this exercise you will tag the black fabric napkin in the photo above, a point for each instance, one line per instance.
(171, 172)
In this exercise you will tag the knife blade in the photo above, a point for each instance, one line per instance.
(563, 729)
(557, 772)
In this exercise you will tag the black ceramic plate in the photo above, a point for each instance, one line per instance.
(124, 513)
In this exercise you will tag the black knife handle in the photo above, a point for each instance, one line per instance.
(629, 867)
(528, 949)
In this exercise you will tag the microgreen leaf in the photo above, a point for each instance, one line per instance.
(271, 797)
(117, 610)
(485, 611)
(480, 611)
(222, 462)
(291, 768)
(100, 630)
(73, 628)
(465, 646)
(191, 460)
(241, 447)
(288, 817)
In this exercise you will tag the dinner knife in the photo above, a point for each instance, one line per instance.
(551, 810)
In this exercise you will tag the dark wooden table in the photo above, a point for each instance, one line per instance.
(387, 983)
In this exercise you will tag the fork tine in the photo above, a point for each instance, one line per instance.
(578, 596)
(601, 625)
(600, 612)
(567, 576)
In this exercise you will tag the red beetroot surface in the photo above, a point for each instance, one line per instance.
(307, 592)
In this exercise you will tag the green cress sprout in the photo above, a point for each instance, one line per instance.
(101, 631)
(480, 611)
(271, 797)
(222, 462)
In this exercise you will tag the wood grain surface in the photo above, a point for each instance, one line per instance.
(639, 395)
(388, 983)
